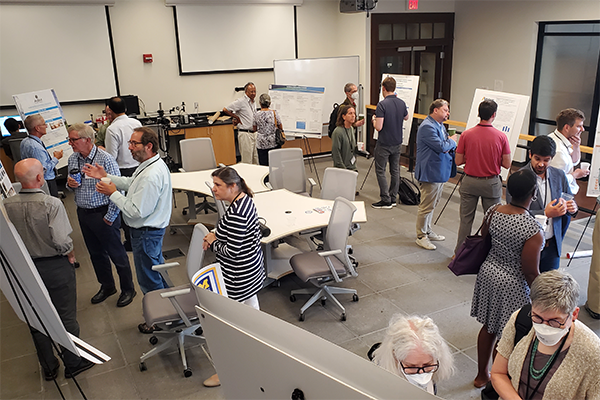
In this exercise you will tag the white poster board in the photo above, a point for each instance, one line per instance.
(509, 117)
(593, 188)
(300, 108)
(45, 103)
(406, 89)
(6, 187)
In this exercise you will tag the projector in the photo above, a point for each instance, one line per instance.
(354, 6)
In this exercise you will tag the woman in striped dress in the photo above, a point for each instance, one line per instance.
(236, 242)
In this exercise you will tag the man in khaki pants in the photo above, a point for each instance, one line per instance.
(593, 300)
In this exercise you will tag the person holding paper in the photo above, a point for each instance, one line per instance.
(567, 136)
(391, 112)
(43, 224)
(33, 147)
(243, 111)
(343, 140)
(484, 150)
(551, 200)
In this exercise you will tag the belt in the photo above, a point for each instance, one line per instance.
(49, 258)
(244, 130)
(483, 177)
(147, 228)
(101, 209)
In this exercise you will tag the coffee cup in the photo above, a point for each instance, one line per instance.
(585, 166)
(106, 179)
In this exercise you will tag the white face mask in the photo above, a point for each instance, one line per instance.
(548, 335)
(420, 380)
(355, 96)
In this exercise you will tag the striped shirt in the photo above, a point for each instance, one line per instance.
(86, 195)
(238, 250)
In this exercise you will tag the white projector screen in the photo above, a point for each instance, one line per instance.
(257, 35)
(65, 47)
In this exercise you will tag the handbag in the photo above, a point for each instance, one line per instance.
(279, 135)
(473, 252)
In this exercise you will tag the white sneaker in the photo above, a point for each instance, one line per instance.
(425, 243)
(435, 237)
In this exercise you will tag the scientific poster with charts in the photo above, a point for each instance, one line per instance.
(300, 109)
(406, 89)
(6, 187)
(45, 103)
(593, 189)
(509, 117)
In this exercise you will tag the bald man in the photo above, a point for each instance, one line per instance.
(43, 224)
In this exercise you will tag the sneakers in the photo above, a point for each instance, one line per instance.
(382, 204)
(425, 243)
(435, 237)
(394, 203)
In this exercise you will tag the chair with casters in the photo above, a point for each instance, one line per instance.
(197, 155)
(332, 265)
(286, 171)
(172, 309)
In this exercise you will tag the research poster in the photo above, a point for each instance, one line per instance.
(593, 189)
(406, 89)
(300, 109)
(46, 103)
(509, 117)
(6, 187)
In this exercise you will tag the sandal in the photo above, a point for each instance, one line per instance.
(148, 329)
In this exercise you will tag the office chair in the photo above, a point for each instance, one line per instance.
(15, 149)
(197, 155)
(220, 204)
(322, 268)
(172, 309)
(286, 171)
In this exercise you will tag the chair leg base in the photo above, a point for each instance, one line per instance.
(325, 292)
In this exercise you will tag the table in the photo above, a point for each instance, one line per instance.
(194, 182)
(287, 213)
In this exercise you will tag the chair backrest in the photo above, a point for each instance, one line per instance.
(338, 229)
(219, 203)
(286, 170)
(15, 148)
(195, 256)
(338, 182)
(197, 154)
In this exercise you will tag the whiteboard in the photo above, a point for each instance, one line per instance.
(330, 73)
(61, 46)
(234, 37)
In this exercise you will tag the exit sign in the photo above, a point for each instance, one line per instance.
(413, 4)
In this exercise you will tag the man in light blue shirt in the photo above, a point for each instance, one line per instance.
(33, 147)
(147, 206)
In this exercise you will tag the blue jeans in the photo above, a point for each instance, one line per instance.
(147, 251)
(549, 259)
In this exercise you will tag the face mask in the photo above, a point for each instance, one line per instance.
(548, 335)
(420, 380)
(355, 96)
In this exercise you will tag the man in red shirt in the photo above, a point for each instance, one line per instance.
(483, 149)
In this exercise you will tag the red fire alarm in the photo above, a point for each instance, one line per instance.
(413, 4)
(147, 58)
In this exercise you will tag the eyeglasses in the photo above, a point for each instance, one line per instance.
(417, 370)
(133, 143)
(73, 140)
(551, 322)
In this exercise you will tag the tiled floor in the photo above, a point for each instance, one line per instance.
(395, 276)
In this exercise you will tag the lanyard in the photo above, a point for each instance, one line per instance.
(139, 173)
(563, 143)
(91, 162)
(545, 373)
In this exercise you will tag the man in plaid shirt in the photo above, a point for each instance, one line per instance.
(99, 218)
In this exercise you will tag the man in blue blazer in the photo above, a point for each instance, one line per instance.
(433, 167)
(552, 183)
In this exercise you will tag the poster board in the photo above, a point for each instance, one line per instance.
(509, 117)
(6, 186)
(45, 103)
(299, 107)
(407, 87)
(593, 188)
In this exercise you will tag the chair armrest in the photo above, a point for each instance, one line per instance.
(329, 253)
(174, 293)
(267, 184)
(312, 185)
(181, 170)
(221, 165)
(163, 268)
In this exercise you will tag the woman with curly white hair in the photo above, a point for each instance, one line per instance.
(414, 349)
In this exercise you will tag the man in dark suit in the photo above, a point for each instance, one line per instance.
(551, 184)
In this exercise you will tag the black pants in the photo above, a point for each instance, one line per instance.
(103, 243)
(263, 155)
(124, 226)
(52, 187)
(58, 276)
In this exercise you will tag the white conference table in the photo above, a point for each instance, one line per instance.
(195, 182)
(287, 213)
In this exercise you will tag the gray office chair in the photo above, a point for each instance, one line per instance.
(286, 171)
(197, 155)
(15, 149)
(172, 309)
(220, 204)
(331, 265)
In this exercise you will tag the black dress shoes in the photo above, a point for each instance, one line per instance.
(102, 295)
(53, 374)
(125, 298)
(593, 314)
(83, 365)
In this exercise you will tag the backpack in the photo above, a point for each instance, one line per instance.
(523, 325)
(408, 192)
(333, 118)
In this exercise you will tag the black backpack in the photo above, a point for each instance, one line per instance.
(333, 118)
(408, 192)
